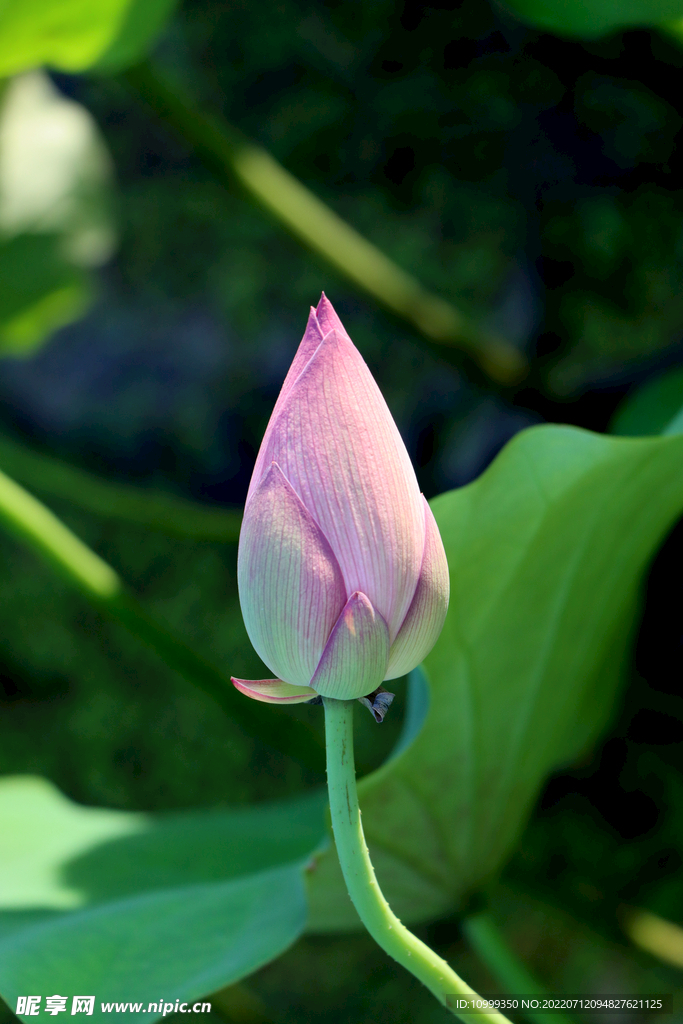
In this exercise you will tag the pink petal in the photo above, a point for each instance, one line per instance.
(327, 317)
(313, 335)
(355, 658)
(339, 447)
(427, 612)
(273, 691)
(290, 585)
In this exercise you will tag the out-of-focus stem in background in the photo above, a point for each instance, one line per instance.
(143, 507)
(658, 937)
(232, 155)
(37, 527)
(490, 945)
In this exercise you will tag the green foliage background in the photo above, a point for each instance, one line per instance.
(530, 181)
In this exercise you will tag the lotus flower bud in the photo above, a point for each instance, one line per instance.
(342, 574)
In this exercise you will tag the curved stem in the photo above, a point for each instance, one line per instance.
(359, 874)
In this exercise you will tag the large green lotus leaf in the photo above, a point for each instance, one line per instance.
(179, 943)
(72, 35)
(547, 551)
(652, 408)
(57, 854)
(41, 832)
(172, 905)
(142, 22)
(591, 18)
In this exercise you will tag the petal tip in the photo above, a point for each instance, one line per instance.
(274, 691)
(356, 655)
(327, 316)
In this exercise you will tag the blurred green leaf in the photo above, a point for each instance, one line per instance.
(41, 830)
(55, 210)
(56, 174)
(591, 18)
(546, 553)
(209, 845)
(179, 904)
(142, 22)
(72, 35)
(12, 921)
(651, 408)
(417, 706)
(39, 291)
(57, 854)
(179, 943)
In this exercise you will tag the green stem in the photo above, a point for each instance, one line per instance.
(359, 874)
(230, 154)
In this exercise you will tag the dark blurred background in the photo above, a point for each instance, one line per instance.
(533, 181)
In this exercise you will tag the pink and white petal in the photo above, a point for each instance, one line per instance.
(427, 612)
(340, 449)
(290, 585)
(274, 691)
(327, 317)
(355, 658)
(313, 335)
